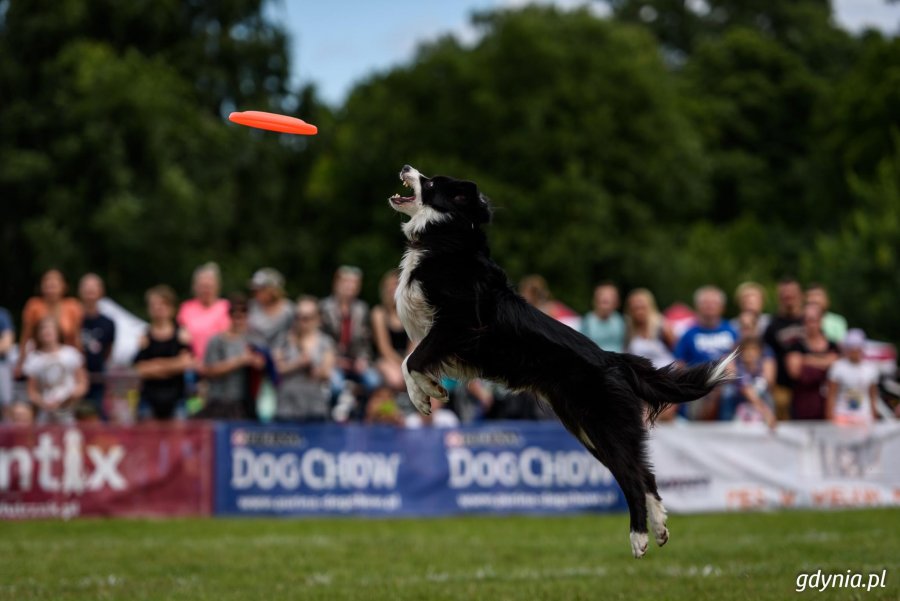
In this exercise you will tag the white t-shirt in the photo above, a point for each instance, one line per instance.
(853, 403)
(441, 418)
(651, 348)
(54, 372)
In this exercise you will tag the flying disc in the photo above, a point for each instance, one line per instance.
(274, 122)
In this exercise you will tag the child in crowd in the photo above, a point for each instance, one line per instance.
(440, 417)
(852, 384)
(755, 377)
(56, 375)
(163, 359)
(228, 356)
(20, 414)
(382, 408)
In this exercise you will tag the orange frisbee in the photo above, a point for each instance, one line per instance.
(274, 122)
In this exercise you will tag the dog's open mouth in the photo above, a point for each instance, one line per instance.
(398, 200)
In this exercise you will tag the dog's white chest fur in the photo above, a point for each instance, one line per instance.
(412, 307)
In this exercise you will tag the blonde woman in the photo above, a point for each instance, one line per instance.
(647, 333)
(206, 314)
(751, 299)
(391, 341)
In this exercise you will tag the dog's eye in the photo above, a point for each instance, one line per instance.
(429, 184)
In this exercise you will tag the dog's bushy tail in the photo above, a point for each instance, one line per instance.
(670, 385)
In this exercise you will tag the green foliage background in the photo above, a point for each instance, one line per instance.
(659, 147)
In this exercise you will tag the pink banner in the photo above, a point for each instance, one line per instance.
(147, 470)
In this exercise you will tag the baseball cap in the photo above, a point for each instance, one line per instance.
(855, 339)
(267, 278)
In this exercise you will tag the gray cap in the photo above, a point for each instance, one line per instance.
(267, 278)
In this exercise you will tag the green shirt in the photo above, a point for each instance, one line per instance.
(608, 334)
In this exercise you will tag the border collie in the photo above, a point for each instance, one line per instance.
(457, 304)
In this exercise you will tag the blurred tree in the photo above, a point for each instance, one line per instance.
(858, 162)
(114, 155)
(861, 264)
(803, 27)
(571, 123)
(753, 103)
(228, 52)
(855, 128)
(677, 143)
(758, 78)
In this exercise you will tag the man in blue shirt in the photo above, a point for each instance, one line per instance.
(710, 339)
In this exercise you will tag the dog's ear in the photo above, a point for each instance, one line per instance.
(474, 204)
(484, 209)
(465, 192)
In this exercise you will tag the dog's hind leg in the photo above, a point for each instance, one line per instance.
(633, 488)
(622, 451)
(656, 512)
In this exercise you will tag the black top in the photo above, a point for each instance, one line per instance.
(781, 335)
(97, 335)
(399, 339)
(808, 402)
(162, 395)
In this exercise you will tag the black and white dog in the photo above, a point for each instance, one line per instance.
(456, 302)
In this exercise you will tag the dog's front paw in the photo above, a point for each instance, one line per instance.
(419, 399)
(430, 386)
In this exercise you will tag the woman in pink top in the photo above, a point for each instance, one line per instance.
(206, 314)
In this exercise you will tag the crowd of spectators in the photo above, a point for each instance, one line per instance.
(271, 358)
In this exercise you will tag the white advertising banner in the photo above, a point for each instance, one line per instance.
(739, 466)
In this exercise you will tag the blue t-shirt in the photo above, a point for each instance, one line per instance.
(5, 324)
(700, 345)
(97, 335)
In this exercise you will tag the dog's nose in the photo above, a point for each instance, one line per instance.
(406, 169)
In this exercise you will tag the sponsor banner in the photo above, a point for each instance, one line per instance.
(328, 469)
(99, 470)
(505, 467)
(739, 466)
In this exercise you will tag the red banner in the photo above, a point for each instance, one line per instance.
(147, 470)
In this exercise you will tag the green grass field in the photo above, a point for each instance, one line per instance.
(748, 556)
